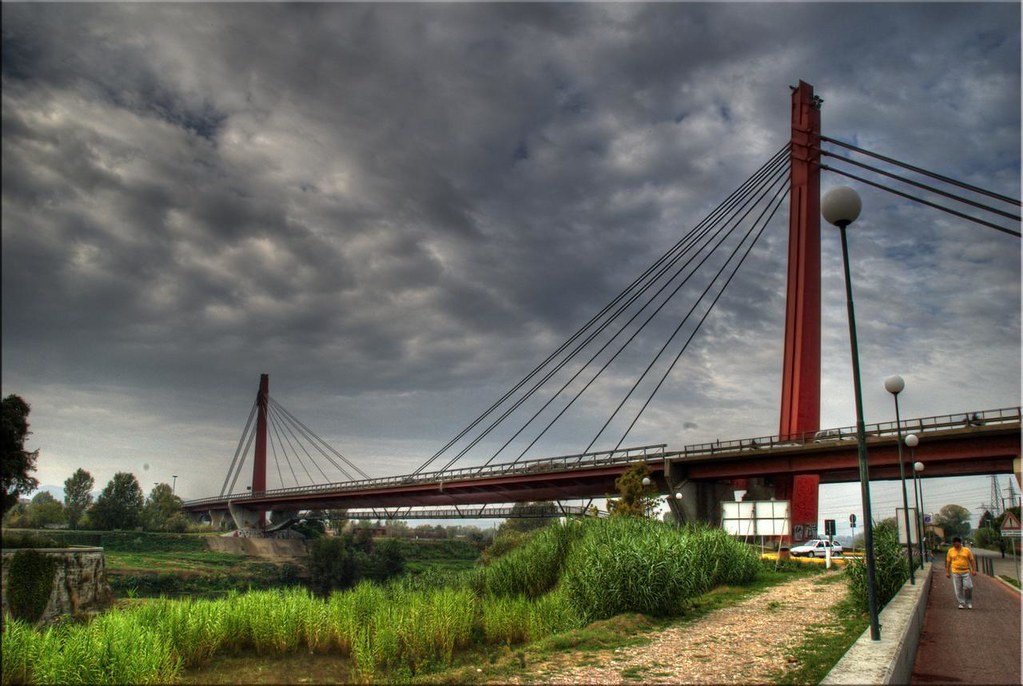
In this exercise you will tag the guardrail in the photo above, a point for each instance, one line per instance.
(469, 513)
(644, 454)
(921, 425)
(562, 463)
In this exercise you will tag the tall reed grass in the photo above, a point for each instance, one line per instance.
(640, 565)
(534, 568)
(564, 576)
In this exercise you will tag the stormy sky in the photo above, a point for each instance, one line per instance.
(398, 210)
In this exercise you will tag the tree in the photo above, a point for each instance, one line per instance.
(120, 504)
(17, 462)
(986, 520)
(161, 508)
(77, 496)
(955, 520)
(17, 516)
(44, 510)
(527, 517)
(637, 499)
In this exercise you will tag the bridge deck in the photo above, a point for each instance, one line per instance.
(965, 443)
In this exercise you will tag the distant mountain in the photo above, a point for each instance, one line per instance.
(56, 491)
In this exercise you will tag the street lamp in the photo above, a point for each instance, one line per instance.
(894, 385)
(918, 467)
(841, 206)
(174, 484)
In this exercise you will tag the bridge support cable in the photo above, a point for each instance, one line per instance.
(918, 184)
(286, 431)
(237, 451)
(735, 271)
(245, 452)
(720, 234)
(777, 182)
(319, 444)
(947, 210)
(644, 277)
(699, 249)
(919, 170)
(274, 442)
(728, 214)
(614, 311)
(748, 204)
(988, 220)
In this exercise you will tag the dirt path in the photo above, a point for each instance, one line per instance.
(741, 644)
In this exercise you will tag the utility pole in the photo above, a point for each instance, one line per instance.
(995, 500)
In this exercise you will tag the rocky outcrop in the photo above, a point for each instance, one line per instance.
(79, 582)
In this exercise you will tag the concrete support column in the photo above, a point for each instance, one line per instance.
(244, 518)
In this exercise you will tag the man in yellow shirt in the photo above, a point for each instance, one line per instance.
(959, 565)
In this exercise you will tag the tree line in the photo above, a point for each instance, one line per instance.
(120, 505)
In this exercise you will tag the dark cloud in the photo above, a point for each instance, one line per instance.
(399, 210)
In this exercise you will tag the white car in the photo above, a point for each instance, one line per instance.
(816, 547)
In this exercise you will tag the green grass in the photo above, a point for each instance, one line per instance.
(484, 622)
(149, 574)
(1009, 580)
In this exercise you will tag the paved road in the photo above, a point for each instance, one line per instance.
(978, 646)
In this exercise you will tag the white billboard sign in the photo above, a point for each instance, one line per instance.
(756, 518)
(900, 517)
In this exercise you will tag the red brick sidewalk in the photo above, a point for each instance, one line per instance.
(978, 646)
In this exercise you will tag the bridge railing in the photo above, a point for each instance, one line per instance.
(922, 425)
(561, 463)
(647, 453)
(469, 513)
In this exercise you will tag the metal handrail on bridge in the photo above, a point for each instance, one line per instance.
(602, 458)
(922, 425)
(645, 454)
(473, 513)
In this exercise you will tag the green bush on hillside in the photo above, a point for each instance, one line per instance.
(641, 565)
(890, 566)
(561, 578)
(30, 584)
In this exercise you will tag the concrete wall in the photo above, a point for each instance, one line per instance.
(79, 584)
(890, 660)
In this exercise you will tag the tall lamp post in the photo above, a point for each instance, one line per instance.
(894, 385)
(918, 467)
(841, 206)
(174, 485)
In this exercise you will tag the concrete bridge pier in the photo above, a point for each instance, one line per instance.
(245, 518)
(217, 518)
(701, 500)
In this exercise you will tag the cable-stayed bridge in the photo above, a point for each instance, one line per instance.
(650, 325)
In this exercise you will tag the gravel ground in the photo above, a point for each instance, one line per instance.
(743, 644)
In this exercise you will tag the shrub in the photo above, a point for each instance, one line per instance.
(535, 567)
(29, 584)
(627, 564)
(29, 539)
(332, 565)
(891, 569)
